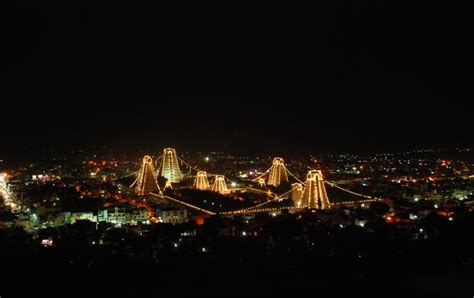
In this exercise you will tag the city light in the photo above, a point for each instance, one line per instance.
(146, 180)
(202, 183)
(315, 195)
(220, 185)
(277, 172)
(169, 167)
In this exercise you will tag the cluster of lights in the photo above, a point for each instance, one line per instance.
(277, 172)
(146, 179)
(202, 183)
(297, 193)
(8, 198)
(315, 195)
(169, 167)
(220, 185)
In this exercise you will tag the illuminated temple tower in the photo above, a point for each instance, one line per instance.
(297, 194)
(201, 181)
(315, 195)
(146, 179)
(169, 167)
(219, 185)
(277, 172)
(168, 185)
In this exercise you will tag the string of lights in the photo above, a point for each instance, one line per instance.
(292, 175)
(266, 172)
(314, 194)
(184, 203)
(187, 164)
(280, 197)
(146, 180)
(348, 191)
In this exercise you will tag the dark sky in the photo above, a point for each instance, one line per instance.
(277, 76)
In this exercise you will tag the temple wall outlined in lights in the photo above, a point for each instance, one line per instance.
(277, 172)
(146, 180)
(220, 185)
(315, 196)
(202, 183)
(169, 167)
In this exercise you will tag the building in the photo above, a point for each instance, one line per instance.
(202, 183)
(146, 180)
(277, 172)
(173, 216)
(315, 195)
(220, 185)
(117, 216)
(169, 167)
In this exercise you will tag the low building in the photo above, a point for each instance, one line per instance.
(117, 216)
(173, 216)
(138, 215)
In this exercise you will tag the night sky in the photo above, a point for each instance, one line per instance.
(335, 77)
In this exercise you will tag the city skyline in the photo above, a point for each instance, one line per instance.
(236, 148)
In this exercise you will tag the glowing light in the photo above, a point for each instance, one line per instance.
(203, 249)
(277, 172)
(233, 184)
(47, 242)
(170, 167)
(244, 233)
(315, 195)
(146, 179)
(219, 185)
(168, 184)
(202, 183)
(297, 194)
(207, 158)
